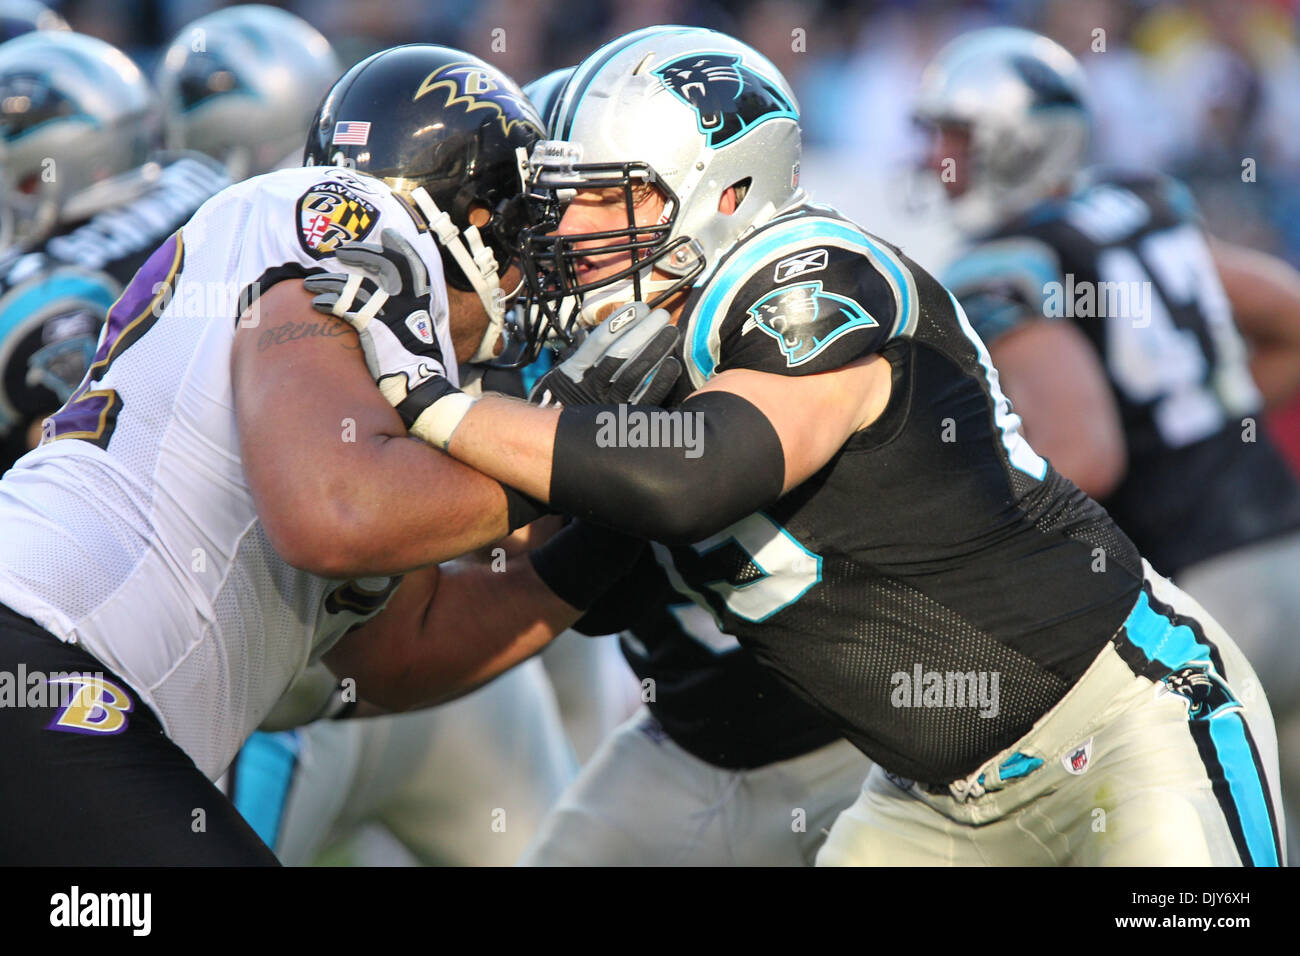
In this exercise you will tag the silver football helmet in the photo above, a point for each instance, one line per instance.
(545, 91)
(1022, 98)
(690, 111)
(78, 121)
(242, 84)
(23, 16)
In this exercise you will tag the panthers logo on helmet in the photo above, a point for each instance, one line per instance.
(730, 98)
(470, 86)
(1206, 693)
(805, 319)
(330, 214)
(1049, 87)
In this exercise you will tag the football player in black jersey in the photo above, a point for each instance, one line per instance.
(846, 490)
(722, 765)
(1102, 305)
(85, 200)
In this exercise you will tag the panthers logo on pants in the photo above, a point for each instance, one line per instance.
(1206, 693)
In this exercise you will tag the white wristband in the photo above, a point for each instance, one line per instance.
(437, 423)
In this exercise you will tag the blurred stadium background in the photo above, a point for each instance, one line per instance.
(1191, 87)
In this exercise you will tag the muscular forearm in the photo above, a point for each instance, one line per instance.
(410, 509)
(339, 487)
(450, 630)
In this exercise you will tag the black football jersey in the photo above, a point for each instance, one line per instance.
(710, 695)
(936, 542)
(1126, 261)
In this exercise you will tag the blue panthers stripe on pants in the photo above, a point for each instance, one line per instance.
(1223, 739)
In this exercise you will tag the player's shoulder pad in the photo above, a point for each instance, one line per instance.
(1112, 204)
(1002, 281)
(806, 292)
(323, 206)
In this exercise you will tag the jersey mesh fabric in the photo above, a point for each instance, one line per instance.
(935, 542)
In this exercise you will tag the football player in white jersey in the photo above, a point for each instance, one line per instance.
(246, 97)
(226, 494)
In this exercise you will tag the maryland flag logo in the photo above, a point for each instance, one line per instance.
(330, 214)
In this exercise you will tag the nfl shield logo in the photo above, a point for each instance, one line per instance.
(421, 328)
(1076, 761)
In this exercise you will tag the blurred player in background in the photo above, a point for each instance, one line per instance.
(86, 198)
(242, 84)
(1104, 309)
(23, 16)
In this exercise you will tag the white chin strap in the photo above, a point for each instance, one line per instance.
(477, 263)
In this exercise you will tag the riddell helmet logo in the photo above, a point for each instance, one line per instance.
(470, 86)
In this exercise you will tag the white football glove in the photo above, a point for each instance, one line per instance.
(384, 295)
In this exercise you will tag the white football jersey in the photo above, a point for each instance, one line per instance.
(131, 530)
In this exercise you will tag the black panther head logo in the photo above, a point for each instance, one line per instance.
(1206, 692)
(805, 319)
(729, 97)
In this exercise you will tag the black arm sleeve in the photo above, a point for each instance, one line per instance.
(642, 590)
(582, 562)
(671, 476)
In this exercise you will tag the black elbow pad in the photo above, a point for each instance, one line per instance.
(672, 476)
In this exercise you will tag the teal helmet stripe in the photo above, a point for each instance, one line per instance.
(589, 68)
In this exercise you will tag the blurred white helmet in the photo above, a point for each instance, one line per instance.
(690, 111)
(242, 84)
(78, 121)
(1023, 99)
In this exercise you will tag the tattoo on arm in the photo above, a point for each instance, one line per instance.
(293, 331)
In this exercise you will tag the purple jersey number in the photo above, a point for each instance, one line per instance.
(91, 413)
